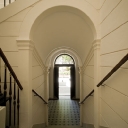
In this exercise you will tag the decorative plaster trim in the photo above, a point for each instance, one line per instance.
(25, 45)
(88, 58)
(96, 44)
(63, 50)
(29, 45)
(38, 58)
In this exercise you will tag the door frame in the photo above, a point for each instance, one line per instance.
(56, 83)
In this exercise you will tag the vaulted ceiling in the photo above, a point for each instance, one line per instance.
(62, 27)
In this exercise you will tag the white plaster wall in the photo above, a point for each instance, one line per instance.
(38, 83)
(9, 32)
(114, 45)
(88, 86)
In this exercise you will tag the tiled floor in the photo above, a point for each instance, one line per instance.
(64, 112)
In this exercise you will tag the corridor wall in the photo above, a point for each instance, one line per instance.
(114, 45)
(31, 107)
(38, 84)
(88, 86)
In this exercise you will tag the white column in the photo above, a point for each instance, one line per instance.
(47, 94)
(25, 76)
(96, 46)
(81, 97)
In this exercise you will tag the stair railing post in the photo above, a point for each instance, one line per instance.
(18, 106)
(10, 100)
(14, 102)
(5, 85)
(4, 3)
(0, 76)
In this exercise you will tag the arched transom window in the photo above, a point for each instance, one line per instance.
(64, 59)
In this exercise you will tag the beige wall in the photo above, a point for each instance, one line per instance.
(38, 83)
(88, 86)
(9, 32)
(114, 45)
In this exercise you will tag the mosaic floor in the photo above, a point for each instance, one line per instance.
(64, 112)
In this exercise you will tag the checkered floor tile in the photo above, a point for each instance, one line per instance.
(64, 112)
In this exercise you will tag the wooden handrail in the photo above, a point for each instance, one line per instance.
(86, 97)
(10, 68)
(121, 62)
(36, 94)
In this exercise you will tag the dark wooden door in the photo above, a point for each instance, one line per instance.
(56, 82)
(72, 82)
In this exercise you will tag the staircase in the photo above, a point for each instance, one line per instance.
(4, 3)
(9, 92)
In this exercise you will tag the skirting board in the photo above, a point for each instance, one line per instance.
(39, 125)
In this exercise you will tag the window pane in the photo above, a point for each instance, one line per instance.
(64, 59)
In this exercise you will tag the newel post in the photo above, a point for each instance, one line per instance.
(96, 46)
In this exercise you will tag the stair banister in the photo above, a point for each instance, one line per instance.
(36, 94)
(120, 63)
(90, 94)
(10, 68)
(15, 97)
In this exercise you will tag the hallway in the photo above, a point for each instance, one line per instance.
(35, 36)
(64, 112)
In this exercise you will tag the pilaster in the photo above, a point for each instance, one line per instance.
(96, 46)
(46, 93)
(25, 48)
(81, 97)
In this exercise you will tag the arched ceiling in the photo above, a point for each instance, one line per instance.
(62, 27)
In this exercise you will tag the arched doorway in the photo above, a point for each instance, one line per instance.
(64, 76)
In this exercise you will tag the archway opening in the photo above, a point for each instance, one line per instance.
(64, 77)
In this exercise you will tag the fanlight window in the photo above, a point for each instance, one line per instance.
(64, 59)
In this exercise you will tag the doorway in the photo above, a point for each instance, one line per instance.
(64, 82)
(64, 77)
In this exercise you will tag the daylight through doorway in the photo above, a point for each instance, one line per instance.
(64, 82)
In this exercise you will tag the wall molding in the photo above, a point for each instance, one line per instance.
(25, 45)
(88, 58)
(29, 45)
